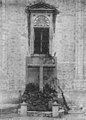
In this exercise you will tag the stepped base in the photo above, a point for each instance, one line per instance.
(9, 101)
(39, 114)
(8, 108)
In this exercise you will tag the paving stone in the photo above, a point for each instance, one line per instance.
(65, 117)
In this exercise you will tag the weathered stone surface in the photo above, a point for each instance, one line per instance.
(69, 43)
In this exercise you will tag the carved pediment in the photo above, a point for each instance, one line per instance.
(42, 6)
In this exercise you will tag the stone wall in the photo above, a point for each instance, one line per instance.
(14, 45)
(17, 44)
(68, 42)
(84, 37)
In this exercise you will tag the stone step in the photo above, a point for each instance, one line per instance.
(39, 113)
(8, 108)
(74, 107)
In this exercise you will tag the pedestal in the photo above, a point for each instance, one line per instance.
(55, 110)
(23, 110)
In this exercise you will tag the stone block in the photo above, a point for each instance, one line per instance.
(23, 110)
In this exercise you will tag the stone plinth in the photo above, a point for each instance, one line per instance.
(23, 110)
(55, 110)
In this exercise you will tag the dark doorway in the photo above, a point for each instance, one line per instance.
(41, 41)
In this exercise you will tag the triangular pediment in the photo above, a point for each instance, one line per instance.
(42, 6)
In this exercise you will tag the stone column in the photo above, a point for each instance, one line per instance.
(41, 78)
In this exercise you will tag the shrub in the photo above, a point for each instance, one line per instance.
(36, 99)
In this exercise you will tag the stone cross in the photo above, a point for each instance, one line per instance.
(41, 66)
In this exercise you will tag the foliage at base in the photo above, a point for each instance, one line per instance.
(38, 100)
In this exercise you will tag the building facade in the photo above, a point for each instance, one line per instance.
(66, 38)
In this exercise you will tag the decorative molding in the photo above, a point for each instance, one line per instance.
(41, 21)
(41, 5)
(41, 14)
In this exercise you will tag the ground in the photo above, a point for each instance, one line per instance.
(71, 116)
